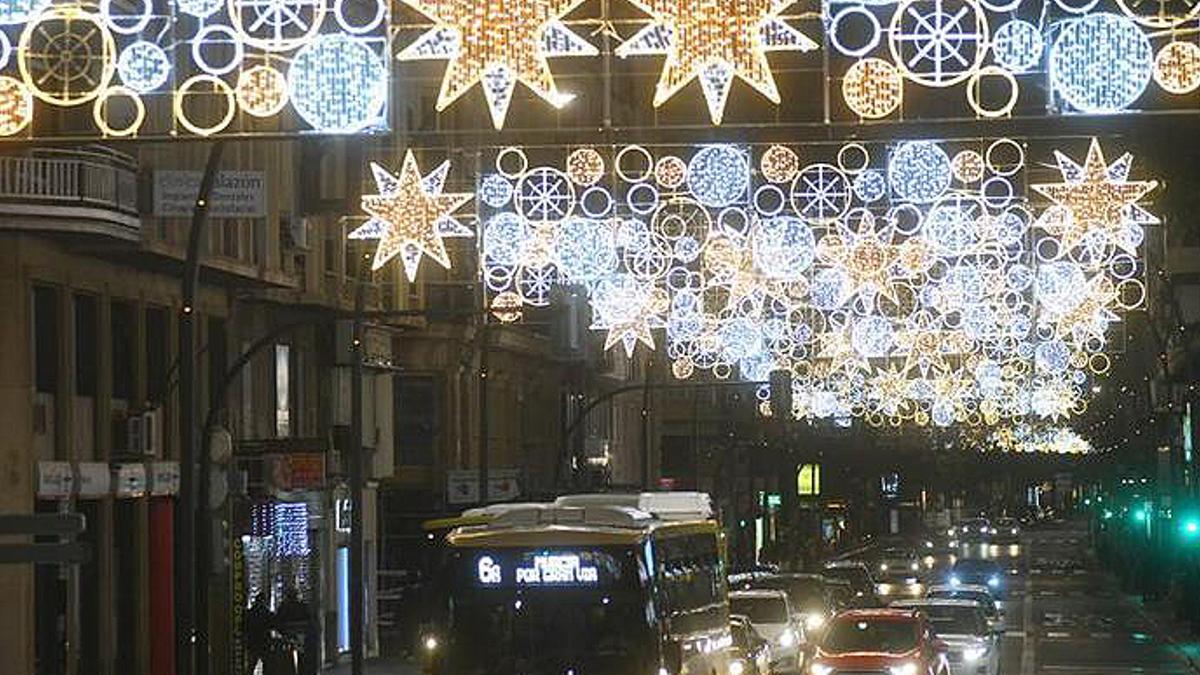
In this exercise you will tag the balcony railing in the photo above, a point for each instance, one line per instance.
(108, 191)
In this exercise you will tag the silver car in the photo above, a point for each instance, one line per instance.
(973, 647)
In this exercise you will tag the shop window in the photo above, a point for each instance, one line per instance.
(417, 402)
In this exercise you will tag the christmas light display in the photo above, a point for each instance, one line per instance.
(218, 67)
(893, 283)
(411, 216)
(714, 42)
(496, 44)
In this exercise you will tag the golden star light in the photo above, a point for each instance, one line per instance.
(1095, 197)
(411, 216)
(496, 44)
(715, 41)
(863, 256)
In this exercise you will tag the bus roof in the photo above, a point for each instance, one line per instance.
(577, 534)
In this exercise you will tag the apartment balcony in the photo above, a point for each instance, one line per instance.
(70, 192)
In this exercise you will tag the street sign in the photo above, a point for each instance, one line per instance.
(42, 523)
(462, 487)
(44, 554)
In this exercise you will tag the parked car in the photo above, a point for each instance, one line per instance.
(771, 616)
(894, 641)
(751, 653)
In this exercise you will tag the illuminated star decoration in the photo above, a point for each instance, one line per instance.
(864, 256)
(629, 309)
(1095, 198)
(410, 216)
(497, 43)
(714, 41)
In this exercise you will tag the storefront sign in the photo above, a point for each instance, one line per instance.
(95, 480)
(129, 480)
(462, 487)
(164, 478)
(55, 480)
(297, 471)
(237, 194)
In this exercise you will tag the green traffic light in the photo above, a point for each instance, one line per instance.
(1140, 515)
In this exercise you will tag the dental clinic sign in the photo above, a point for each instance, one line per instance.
(539, 570)
(236, 194)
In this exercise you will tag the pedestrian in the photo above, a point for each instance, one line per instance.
(259, 622)
(298, 623)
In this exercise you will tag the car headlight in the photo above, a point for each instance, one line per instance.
(814, 621)
(983, 530)
(992, 531)
(1013, 531)
(955, 581)
(928, 544)
(663, 671)
(882, 567)
(914, 567)
(974, 653)
(737, 667)
(430, 642)
(820, 669)
(909, 668)
(787, 638)
(993, 581)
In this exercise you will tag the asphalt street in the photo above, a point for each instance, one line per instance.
(1065, 615)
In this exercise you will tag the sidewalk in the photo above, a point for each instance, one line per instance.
(388, 666)
(1175, 631)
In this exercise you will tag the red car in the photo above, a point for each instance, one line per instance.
(879, 641)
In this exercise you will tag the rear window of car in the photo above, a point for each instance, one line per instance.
(982, 598)
(972, 565)
(759, 610)
(858, 634)
(803, 593)
(948, 620)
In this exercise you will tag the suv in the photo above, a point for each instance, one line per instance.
(771, 616)
(894, 641)
(858, 575)
(811, 600)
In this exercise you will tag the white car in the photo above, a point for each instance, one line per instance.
(771, 617)
(992, 608)
(973, 647)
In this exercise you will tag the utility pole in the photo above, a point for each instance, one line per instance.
(354, 461)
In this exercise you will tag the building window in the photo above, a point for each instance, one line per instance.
(86, 343)
(156, 354)
(283, 403)
(123, 348)
(45, 339)
(416, 401)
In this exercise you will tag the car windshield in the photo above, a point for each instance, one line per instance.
(803, 594)
(854, 634)
(897, 554)
(980, 597)
(760, 610)
(972, 566)
(955, 620)
(857, 576)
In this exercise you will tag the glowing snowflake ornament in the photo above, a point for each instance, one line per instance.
(411, 216)
(714, 41)
(629, 310)
(496, 44)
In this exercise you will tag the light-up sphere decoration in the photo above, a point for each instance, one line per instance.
(1177, 67)
(873, 336)
(545, 195)
(261, 91)
(718, 175)
(495, 190)
(1018, 45)
(200, 9)
(967, 166)
(1100, 63)
(143, 66)
(66, 55)
(585, 166)
(504, 238)
(784, 247)
(586, 249)
(919, 172)
(670, 172)
(15, 12)
(873, 88)
(779, 164)
(821, 193)
(1058, 285)
(338, 84)
(870, 185)
(16, 106)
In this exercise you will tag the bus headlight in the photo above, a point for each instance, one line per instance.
(813, 621)
(820, 669)
(909, 668)
(737, 667)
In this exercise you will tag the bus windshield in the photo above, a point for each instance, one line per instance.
(548, 611)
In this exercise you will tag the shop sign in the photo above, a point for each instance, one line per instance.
(236, 194)
(297, 471)
(462, 487)
(164, 478)
(130, 480)
(55, 480)
(95, 480)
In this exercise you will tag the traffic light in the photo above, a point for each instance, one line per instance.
(1189, 528)
(1139, 514)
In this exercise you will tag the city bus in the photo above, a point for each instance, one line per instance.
(584, 585)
